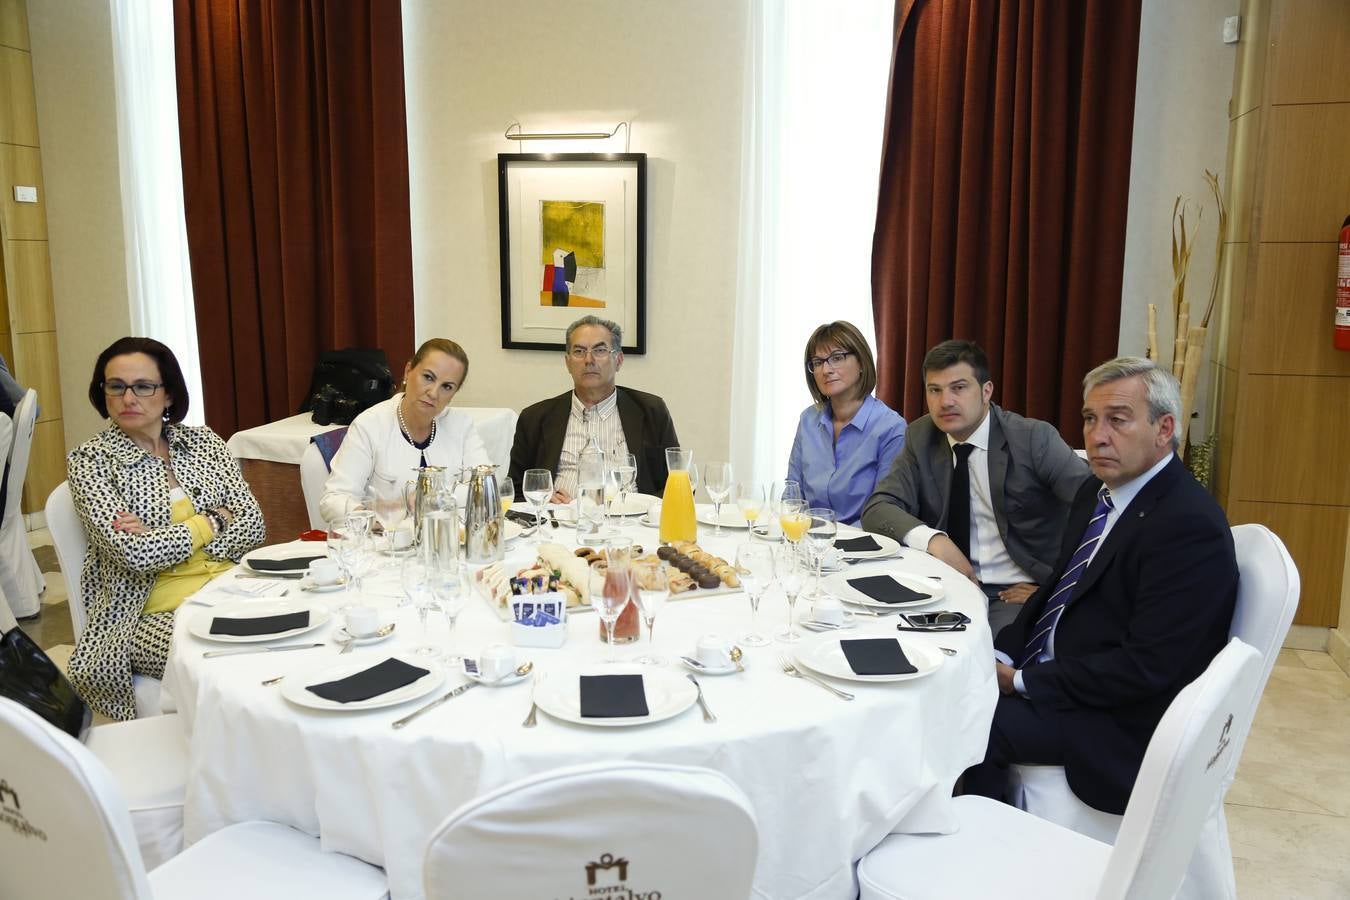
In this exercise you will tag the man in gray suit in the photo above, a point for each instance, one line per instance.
(1016, 479)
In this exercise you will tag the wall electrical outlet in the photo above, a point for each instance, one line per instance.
(25, 193)
(1232, 28)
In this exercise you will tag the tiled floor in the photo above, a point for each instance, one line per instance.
(1288, 812)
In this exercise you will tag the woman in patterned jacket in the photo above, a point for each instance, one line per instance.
(165, 509)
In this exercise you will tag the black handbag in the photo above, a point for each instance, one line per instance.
(346, 383)
(30, 678)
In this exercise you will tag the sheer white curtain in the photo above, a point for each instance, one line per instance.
(815, 108)
(159, 280)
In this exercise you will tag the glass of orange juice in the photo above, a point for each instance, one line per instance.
(793, 519)
(506, 490)
(750, 501)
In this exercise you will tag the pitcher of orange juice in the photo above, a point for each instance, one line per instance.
(677, 503)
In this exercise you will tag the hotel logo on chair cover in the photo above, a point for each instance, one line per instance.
(11, 813)
(605, 877)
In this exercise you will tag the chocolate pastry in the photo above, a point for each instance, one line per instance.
(708, 581)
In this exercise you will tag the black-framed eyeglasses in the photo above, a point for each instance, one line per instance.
(835, 360)
(934, 621)
(139, 388)
(599, 352)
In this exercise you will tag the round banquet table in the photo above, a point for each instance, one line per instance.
(828, 778)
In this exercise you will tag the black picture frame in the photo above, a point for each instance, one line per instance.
(617, 182)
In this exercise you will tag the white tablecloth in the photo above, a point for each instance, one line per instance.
(284, 441)
(828, 778)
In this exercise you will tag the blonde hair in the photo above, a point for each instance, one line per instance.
(446, 346)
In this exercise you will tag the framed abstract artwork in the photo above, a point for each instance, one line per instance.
(573, 242)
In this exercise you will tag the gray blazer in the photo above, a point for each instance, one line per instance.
(1033, 477)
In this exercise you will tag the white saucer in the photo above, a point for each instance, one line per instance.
(342, 636)
(709, 670)
(513, 678)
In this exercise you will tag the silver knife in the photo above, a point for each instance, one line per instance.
(399, 723)
(242, 650)
(248, 573)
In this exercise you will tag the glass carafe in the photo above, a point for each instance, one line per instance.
(677, 503)
(619, 579)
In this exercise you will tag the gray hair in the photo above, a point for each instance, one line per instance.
(1161, 390)
(614, 330)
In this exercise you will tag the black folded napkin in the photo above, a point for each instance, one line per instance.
(612, 696)
(857, 544)
(885, 589)
(260, 624)
(877, 656)
(389, 675)
(294, 564)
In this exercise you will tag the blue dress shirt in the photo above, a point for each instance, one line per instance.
(842, 476)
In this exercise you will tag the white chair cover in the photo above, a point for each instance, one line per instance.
(20, 576)
(71, 544)
(149, 760)
(313, 476)
(67, 834)
(638, 828)
(1019, 855)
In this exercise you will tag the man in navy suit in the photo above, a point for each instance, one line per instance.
(1141, 601)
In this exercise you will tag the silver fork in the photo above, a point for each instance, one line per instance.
(792, 670)
(703, 704)
(531, 719)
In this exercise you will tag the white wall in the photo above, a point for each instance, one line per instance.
(77, 120)
(675, 70)
(1180, 129)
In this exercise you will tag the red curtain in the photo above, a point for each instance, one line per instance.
(1004, 185)
(295, 179)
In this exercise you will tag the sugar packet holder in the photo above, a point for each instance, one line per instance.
(539, 620)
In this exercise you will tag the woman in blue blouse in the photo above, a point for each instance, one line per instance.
(847, 440)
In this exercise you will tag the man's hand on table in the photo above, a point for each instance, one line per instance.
(1018, 593)
(1005, 675)
(560, 497)
(943, 548)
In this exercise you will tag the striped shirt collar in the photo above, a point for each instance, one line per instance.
(604, 409)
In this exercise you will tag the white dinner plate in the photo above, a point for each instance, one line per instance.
(294, 689)
(633, 505)
(838, 585)
(668, 695)
(889, 547)
(824, 655)
(731, 516)
(288, 550)
(200, 626)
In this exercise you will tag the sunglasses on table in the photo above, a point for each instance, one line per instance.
(934, 621)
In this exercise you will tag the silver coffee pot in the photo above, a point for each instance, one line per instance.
(482, 515)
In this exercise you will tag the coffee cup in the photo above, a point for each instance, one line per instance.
(714, 651)
(324, 571)
(496, 661)
(401, 538)
(362, 621)
(828, 610)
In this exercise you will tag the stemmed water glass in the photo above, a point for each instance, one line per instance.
(538, 487)
(609, 592)
(790, 574)
(653, 587)
(623, 466)
(820, 534)
(417, 585)
(391, 510)
(750, 501)
(449, 583)
(754, 567)
(717, 482)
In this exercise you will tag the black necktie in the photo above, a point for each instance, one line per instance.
(958, 504)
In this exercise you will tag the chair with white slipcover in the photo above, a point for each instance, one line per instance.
(20, 576)
(640, 827)
(67, 834)
(1267, 597)
(1022, 856)
(313, 476)
(72, 545)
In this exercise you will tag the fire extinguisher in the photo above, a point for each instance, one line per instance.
(1343, 289)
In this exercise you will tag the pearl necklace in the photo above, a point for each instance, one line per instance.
(407, 435)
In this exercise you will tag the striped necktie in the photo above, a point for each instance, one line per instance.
(1054, 607)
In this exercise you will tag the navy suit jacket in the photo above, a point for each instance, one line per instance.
(1151, 611)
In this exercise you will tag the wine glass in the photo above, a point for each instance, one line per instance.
(653, 587)
(820, 534)
(448, 588)
(609, 592)
(754, 567)
(791, 575)
(390, 507)
(778, 492)
(417, 585)
(506, 490)
(717, 482)
(750, 501)
(792, 518)
(538, 487)
(343, 547)
(624, 467)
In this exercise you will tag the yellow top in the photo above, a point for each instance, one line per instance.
(175, 585)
